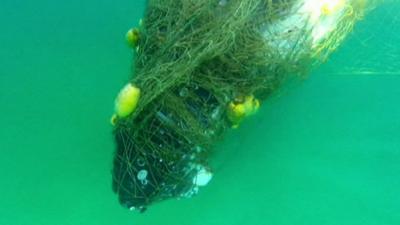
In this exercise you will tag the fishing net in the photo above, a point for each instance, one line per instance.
(201, 67)
(366, 58)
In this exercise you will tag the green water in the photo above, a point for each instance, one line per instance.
(324, 151)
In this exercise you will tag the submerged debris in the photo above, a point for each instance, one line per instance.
(201, 67)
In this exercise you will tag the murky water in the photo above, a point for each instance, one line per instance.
(323, 151)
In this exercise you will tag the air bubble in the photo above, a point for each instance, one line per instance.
(140, 161)
(183, 92)
(142, 175)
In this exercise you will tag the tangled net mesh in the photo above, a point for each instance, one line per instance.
(379, 29)
(194, 59)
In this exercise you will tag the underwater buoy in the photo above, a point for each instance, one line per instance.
(132, 37)
(203, 67)
(241, 108)
(126, 102)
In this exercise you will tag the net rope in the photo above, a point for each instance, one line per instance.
(195, 58)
